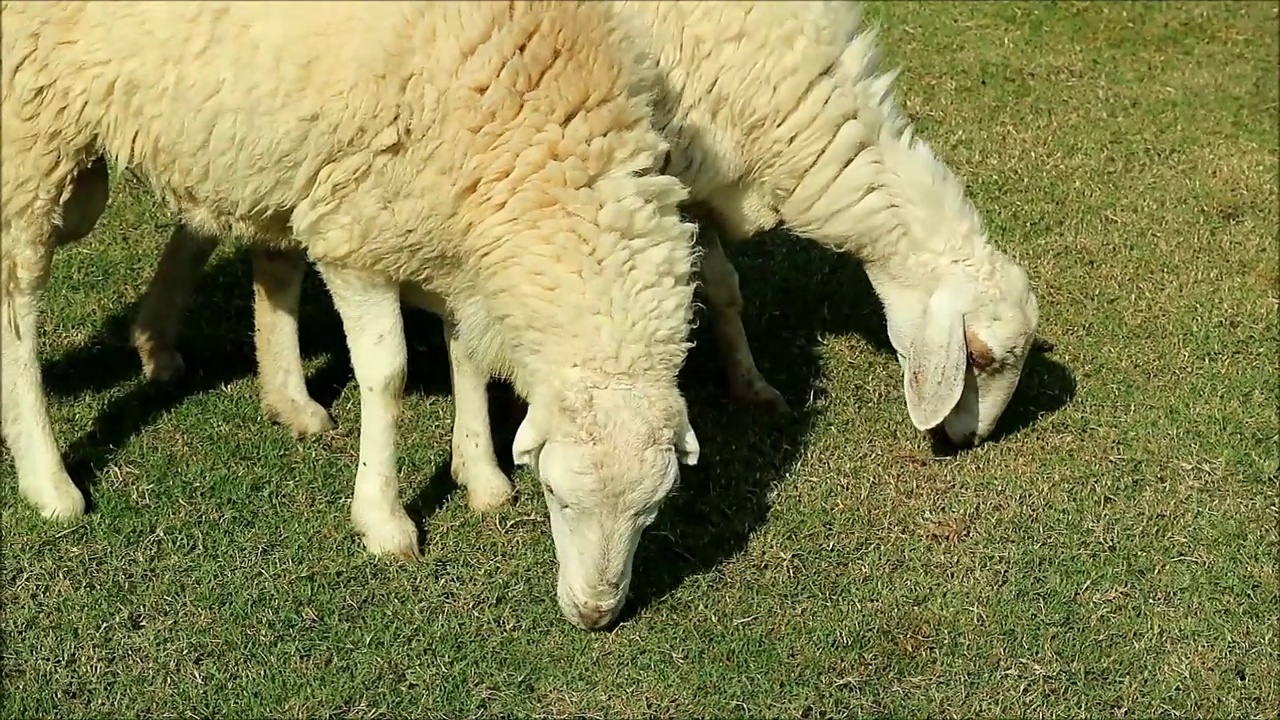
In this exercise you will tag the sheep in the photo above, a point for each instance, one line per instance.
(779, 113)
(501, 157)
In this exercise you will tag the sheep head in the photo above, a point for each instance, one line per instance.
(607, 456)
(962, 346)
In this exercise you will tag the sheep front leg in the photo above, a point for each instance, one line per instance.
(474, 465)
(155, 330)
(724, 300)
(24, 413)
(369, 305)
(282, 382)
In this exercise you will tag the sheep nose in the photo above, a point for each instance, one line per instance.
(945, 445)
(594, 617)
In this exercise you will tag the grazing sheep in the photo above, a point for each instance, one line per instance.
(777, 113)
(497, 156)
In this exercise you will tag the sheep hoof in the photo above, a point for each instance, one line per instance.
(311, 421)
(488, 488)
(162, 366)
(302, 417)
(57, 499)
(396, 537)
(760, 393)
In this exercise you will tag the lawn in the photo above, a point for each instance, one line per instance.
(1112, 553)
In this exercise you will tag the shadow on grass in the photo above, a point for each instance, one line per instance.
(216, 342)
(796, 291)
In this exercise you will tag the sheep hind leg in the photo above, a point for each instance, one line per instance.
(282, 383)
(724, 300)
(24, 412)
(155, 329)
(369, 306)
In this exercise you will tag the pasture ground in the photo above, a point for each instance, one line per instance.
(1114, 553)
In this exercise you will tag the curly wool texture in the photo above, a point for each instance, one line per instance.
(492, 152)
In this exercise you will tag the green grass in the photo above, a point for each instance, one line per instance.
(1113, 554)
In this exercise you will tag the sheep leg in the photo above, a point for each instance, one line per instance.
(155, 330)
(24, 413)
(724, 300)
(282, 383)
(369, 306)
(474, 465)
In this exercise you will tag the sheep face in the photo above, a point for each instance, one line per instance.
(605, 470)
(963, 354)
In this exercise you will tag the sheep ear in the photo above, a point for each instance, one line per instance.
(687, 448)
(529, 440)
(934, 364)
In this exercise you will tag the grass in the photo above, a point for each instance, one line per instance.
(1113, 554)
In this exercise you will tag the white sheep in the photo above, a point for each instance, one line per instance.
(777, 113)
(496, 155)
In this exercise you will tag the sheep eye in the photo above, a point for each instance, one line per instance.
(551, 494)
(980, 361)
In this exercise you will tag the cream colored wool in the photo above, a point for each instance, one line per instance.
(496, 156)
(780, 113)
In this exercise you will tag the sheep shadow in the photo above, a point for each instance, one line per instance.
(795, 292)
(216, 343)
